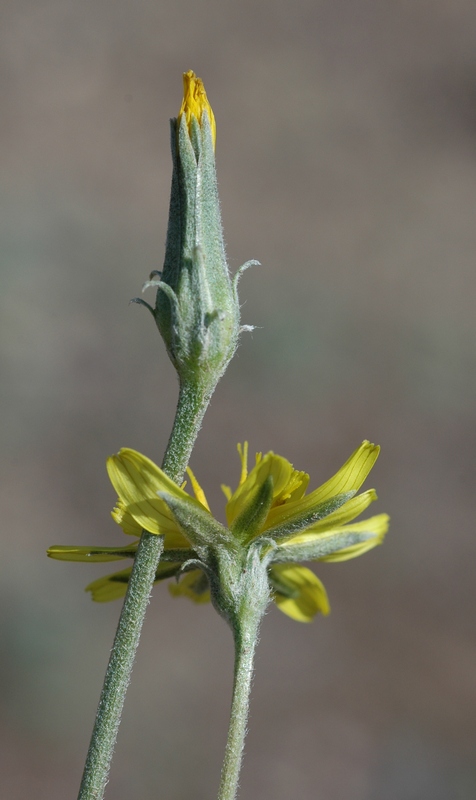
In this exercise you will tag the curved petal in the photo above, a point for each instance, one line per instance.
(352, 474)
(109, 587)
(252, 516)
(300, 481)
(137, 480)
(349, 478)
(378, 526)
(112, 587)
(127, 522)
(226, 491)
(172, 539)
(298, 592)
(374, 528)
(316, 548)
(243, 453)
(287, 482)
(341, 516)
(198, 491)
(279, 469)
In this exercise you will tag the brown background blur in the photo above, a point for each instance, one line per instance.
(346, 159)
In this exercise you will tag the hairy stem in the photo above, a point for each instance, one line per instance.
(191, 407)
(246, 639)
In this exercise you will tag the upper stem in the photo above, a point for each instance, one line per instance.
(192, 404)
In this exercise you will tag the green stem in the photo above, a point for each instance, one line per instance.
(191, 407)
(246, 639)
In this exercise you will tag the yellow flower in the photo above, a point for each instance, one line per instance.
(195, 102)
(269, 509)
(302, 594)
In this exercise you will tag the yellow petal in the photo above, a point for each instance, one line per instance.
(112, 587)
(352, 474)
(109, 587)
(127, 522)
(346, 513)
(243, 453)
(309, 595)
(197, 490)
(193, 585)
(296, 488)
(172, 539)
(378, 526)
(96, 554)
(195, 102)
(226, 491)
(137, 480)
(349, 478)
(286, 480)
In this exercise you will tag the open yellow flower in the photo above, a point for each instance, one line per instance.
(269, 509)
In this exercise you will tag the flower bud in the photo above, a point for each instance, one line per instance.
(197, 310)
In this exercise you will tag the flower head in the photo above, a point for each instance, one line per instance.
(270, 514)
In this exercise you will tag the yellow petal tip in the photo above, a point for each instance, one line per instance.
(195, 102)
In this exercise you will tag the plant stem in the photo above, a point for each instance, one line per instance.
(246, 639)
(192, 404)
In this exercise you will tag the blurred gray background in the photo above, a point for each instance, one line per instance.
(346, 157)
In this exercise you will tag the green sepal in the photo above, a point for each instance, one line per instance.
(249, 521)
(317, 549)
(299, 522)
(198, 525)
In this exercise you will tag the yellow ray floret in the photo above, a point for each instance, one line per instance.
(193, 585)
(298, 592)
(197, 490)
(349, 478)
(288, 484)
(137, 480)
(243, 454)
(127, 522)
(376, 528)
(97, 554)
